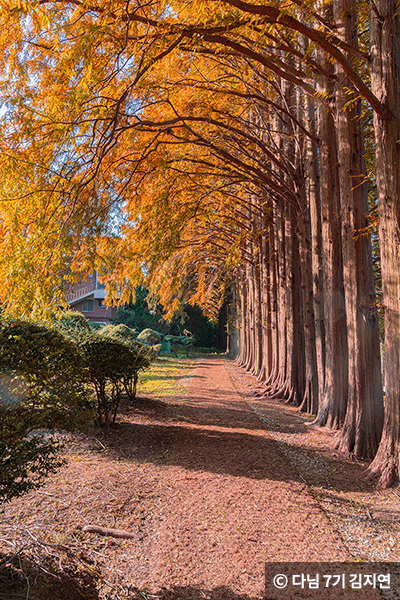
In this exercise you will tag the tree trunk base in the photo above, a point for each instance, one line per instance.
(385, 467)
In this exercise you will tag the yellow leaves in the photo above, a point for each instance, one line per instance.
(354, 98)
(140, 111)
(38, 15)
(20, 5)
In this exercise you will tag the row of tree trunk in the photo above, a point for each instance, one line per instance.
(305, 305)
(238, 129)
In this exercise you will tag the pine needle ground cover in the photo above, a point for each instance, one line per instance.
(43, 552)
(209, 482)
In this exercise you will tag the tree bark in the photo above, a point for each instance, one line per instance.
(362, 426)
(314, 201)
(385, 81)
(310, 400)
(278, 387)
(333, 404)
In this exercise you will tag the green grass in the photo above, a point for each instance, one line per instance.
(167, 376)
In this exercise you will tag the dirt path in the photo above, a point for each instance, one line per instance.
(206, 484)
(234, 500)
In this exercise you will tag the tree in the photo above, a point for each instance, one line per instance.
(203, 329)
(138, 315)
(385, 81)
(41, 383)
(194, 118)
(26, 458)
(138, 359)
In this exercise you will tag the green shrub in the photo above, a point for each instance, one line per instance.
(70, 319)
(42, 388)
(111, 358)
(96, 326)
(112, 367)
(73, 325)
(140, 355)
(47, 368)
(150, 337)
(26, 458)
(120, 332)
(44, 374)
(180, 341)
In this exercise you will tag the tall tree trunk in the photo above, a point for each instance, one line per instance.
(265, 289)
(278, 387)
(385, 80)
(310, 401)
(288, 145)
(298, 367)
(249, 317)
(314, 200)
(294, 323)
(296, 359)
(362, 427)
(333, 404)
(233, 320)
(258, 339)
(241, 359)
(273, 276)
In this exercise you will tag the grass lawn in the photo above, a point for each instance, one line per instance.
(167, 376)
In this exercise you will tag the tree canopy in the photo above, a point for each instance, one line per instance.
(216, 152)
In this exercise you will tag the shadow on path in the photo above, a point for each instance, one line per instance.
(198, 411)
(200, 449)
(26, 578)
(192, 593)
(22, 578)
(214, 430)
(212, 449)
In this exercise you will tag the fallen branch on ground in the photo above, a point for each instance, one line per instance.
(116, 533)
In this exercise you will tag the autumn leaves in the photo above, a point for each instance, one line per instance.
(228, 137)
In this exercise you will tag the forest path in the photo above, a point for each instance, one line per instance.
(235, 500)
(212, 484)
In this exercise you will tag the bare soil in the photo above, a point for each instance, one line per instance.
(212, 484)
